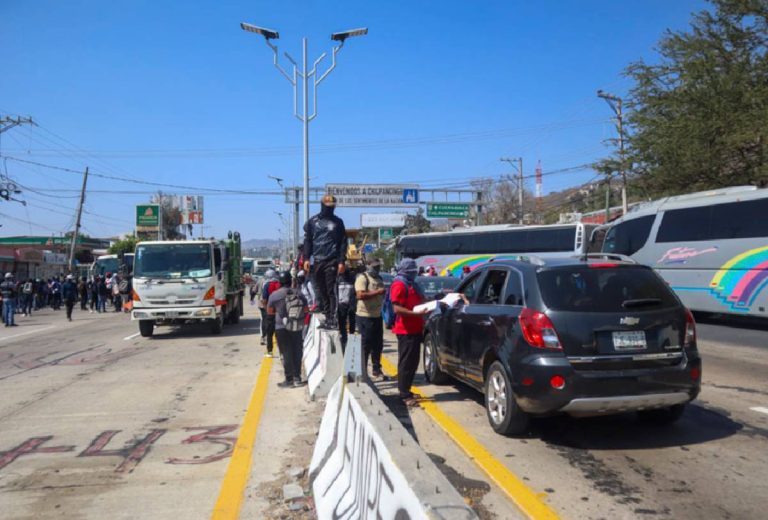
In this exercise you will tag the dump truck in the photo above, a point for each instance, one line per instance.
(178, 282)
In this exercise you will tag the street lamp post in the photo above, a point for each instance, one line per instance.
(616, 104)
(305, 117)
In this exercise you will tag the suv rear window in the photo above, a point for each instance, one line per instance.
(604, 289)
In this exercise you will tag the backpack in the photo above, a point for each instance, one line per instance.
(388, 310)
(294, 312)
(28, 288)
(123, 286)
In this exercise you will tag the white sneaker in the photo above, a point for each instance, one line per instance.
(269, 355)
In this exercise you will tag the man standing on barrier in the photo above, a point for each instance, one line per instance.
(287, 307)
(369, 288)
(409, 326)
(325, 251)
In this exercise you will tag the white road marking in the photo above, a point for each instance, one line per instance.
(26, 333)
(131, 336)
(761, 409)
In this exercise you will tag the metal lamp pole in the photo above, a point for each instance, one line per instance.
(616, 103)
(305, 117)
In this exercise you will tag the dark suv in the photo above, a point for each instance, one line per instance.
(592, 335)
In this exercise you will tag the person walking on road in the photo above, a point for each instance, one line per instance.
(27, 297)
(271, 284)
(93, 293)
(55, 294)
(369, 289)
(346, 310)
(325, 251)
(82, 291)
(288, 308)
(409, 326)
(10, 294)
(103, 294)
(69, 295)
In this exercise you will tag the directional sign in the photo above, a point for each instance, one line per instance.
(374, 195)
(148, 215)
(447, 210)
(386, 234)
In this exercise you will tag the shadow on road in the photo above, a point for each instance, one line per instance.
(246, 327)
(732, 322)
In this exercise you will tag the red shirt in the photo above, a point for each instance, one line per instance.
(406, 297)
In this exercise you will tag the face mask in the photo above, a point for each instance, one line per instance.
(326, 211)
(376, 269)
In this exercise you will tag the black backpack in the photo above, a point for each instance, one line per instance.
(294, 311)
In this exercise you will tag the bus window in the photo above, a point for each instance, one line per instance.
(744, 219)
(627, 237)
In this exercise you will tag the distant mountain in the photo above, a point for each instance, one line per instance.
(259, 243)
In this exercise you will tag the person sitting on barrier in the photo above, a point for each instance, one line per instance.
(409, 326)
(369, 289)
(288, 307)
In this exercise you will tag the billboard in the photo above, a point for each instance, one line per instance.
(191, 207)
(377, 220)
(374, 195)
(147, 215)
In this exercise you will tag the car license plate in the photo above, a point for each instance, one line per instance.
(171, 314)
(629, 340)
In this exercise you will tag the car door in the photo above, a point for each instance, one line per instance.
(450, 333)
(482, 325)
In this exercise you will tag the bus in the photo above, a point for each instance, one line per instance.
(451, 251)
(110, 264)
(711, 247)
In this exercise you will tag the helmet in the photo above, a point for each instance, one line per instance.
(270, 274)
(8, 275)
(285, 278)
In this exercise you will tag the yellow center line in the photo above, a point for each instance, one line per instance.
(231, 494)
(527, 500)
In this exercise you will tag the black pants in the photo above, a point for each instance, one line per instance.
(290, 345)
(372, 340)
(69, 304)
(83, 301)
(408, 350)
(269, 331)
(346, 317)
(324, 277)
(263, 311)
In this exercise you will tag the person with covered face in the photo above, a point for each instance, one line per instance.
(369, 289)
(409, 326)
(325, 251)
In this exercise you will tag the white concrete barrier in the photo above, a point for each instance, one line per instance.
(322, 359)
(366, 466)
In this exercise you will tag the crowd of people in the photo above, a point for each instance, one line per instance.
(25, 296)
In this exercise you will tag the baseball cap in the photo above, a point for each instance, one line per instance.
(329, 200)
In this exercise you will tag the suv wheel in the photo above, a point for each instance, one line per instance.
(431, 366)
(663, 415)
(504, 415)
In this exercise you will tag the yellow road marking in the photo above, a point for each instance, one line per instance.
(526, 499)
(231, 494)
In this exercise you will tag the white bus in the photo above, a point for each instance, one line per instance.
(451, 251)
(711, 247)
(111, 264)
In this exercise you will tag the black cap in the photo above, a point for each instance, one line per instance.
(284, 277)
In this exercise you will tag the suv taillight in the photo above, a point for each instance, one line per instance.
(690, 329)
(538, 329)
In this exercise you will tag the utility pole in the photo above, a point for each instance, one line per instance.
(616, 103)
(6, 123)
(305, 74)
(519, 167)
(77, 223)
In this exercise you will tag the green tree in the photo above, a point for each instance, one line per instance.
(126, 245)
(699, 116)
(417, 223)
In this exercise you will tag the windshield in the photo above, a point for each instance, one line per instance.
(436, 285)
(247, 266)
(173, 261)
(106, 265)
(600, 289)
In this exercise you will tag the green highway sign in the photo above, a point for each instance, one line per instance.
(386, 234)
(447, 209)
(148, 215)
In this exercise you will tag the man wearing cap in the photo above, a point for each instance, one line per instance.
(325, 251)
(9, 292)
(69, 294)
(369, 289)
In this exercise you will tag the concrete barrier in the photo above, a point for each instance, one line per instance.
(366, 465)
(322, 358)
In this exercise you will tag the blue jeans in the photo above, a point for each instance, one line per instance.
(101, 305)
(9, 306)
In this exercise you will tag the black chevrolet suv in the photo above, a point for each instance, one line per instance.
(590, 335)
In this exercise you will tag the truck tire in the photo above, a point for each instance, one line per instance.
(217, 324)
(146, 328)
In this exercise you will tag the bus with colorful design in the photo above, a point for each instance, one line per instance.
(711, 247)
(450, 252)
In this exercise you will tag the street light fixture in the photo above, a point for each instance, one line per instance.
(304, 73)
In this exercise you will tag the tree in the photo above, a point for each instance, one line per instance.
(698, 118)
(417, 223)
(126, 245)
(171, 216)
(80, 235)
(500, 198)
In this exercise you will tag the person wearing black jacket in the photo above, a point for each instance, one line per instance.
(69, 294)
(325, 251)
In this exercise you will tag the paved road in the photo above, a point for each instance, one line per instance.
(96, 422)
(712, 464)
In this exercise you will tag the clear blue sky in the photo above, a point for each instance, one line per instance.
(175, 92)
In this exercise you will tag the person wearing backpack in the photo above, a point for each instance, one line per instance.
(409, 326)
(28, 291)
(271, 284)
(288, 307)
(369, 289)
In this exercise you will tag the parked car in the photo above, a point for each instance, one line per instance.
(595, 334)
(435, 287)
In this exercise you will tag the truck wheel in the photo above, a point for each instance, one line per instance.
(217, 325)
(234, 316)
(146, 327)
(504, 415)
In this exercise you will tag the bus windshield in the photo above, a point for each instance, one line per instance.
(173, 261)
(247, 266)
(105, 265)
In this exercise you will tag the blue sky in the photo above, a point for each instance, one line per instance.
(176, 93)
